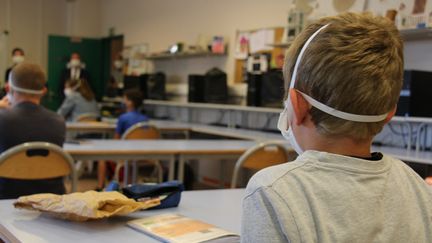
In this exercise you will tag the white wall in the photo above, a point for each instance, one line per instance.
(161, 23)
(28, 23)
(157, 22)
(83, 18)
(31, 21)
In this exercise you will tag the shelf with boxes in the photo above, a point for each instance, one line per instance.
(169, 56)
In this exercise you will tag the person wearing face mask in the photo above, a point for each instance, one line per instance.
(117, 70)
(17, 57)
(75, 69)
(116, 80)
(79, 99)
(23, 119)
(343, 76)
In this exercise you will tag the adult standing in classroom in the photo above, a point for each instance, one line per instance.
(17, 58)
(75, 70)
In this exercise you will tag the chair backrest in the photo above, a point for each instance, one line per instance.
(261, 156)
(37, 160)
(87, 117)
(142, 130)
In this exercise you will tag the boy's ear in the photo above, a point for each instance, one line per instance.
(390, 114)
(300, 106)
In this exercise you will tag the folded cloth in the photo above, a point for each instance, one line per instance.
(168, 192)
(82, 206)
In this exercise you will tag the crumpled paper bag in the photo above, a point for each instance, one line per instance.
(82, 206)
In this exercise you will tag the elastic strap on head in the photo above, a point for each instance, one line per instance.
(300, 56)
(343, 115)
(23, 90)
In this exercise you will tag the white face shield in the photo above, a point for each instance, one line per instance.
(286, 115)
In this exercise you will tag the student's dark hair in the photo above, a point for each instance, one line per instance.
(84, 88)
(17, 49)
(135, 96)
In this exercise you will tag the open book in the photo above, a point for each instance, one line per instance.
(177, 228)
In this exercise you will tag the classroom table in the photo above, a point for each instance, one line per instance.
(166, 149)
(109, 127)
(97, 127)
(218, 207)
(175, 126)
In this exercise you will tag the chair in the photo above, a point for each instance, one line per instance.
(87, 117)
(261, 156)
(36, 161)
(90, 118)
(141, 130)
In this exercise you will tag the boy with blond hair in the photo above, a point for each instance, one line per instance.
(343, 76)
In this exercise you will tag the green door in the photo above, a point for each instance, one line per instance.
(59, 50)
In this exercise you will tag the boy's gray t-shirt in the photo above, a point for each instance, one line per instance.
(323, 197)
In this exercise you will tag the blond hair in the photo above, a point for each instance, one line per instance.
(354, 65)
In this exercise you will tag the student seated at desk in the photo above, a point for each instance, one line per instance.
(79, 100)
(344, 75)
(132, 99)
(23, 119)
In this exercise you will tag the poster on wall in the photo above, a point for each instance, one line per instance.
(409, 13)
(134, 55)
(242, 45)
(323, 8)
(419, 7)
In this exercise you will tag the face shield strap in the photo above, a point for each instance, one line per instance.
(23, 90)
(300, 56)
(343, 115)
(320, 106)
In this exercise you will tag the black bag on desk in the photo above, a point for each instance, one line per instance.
(170, 193)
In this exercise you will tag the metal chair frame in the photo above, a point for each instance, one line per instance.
(42, 146)
(251, 152)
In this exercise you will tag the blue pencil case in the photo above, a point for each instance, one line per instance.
(169, 193)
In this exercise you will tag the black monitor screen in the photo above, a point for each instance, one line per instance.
(420, 94)
(132, 82)
(272, 89)
(405, 94)
(215, 88)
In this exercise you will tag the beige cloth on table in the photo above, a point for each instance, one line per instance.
(82, 206)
